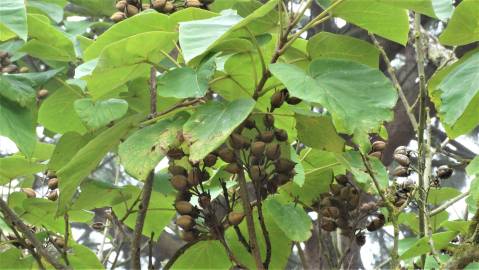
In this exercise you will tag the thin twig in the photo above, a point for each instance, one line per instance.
(153, 98)
(150, 251)
(66, 236)
(452, 201)
(304, 262)
(165, 113)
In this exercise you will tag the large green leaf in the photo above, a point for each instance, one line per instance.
(65, 149)
(100, 113)
(290, 218)
(441, 9)
(13, 258)
(57, 113)
(82, 257)
(14, 17)
(358, 96)
(47, 42)
(212, 123)
(439, 195)
(318, 132)
(142, 151)
(94, 7)
(463, 28)
(17, 89)
(204, 255)
(329, 45)
(85, 160)
(473, 167)
(460, 94)
(141, 23)
(421, 246)
(114, 69)
(52, 9)
(18, 124)
(13, 167)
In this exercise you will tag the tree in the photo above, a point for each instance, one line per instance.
(216, 134)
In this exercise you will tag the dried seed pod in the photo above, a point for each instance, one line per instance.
(283, 165)
(145, 6)
(238, 142)
(444, 172)
(345, 193)
(268, 120)
(277, 99)
(158, 4)
(330, 211)
(266, 136)
(235, 218)
(402, 150)
(53, 195)
(378, 146)
(401, 171)
(227, 155)
(271, 187)
(281, 135)
(205, 176)
(118, 16)
(233, 168)
(375, 224)
(177, 170)
(51, 174)
(249, 123)
(403, 160)
(257, 148)
(335, 189)
(399, 202)
(360, 239)
(353, 200)
(328, 224)
(53, 183)
(10, 68)
(24, 70)
(175, 153)
(29, 192)
(59, 242)
(194, 176)
(131, 10)
(185, 222)
(273, 151)
(4, 54)
(193, 3)
(179, 182)
(121, 5)
(341, 179)
(376, 154)
(184, 207)
(183, 196)
(204, 200)
(281, 179)
(43, 93)
(369, 206)
(257, 173)
(210, 160)
(169, 7)
(293, 100)
(98, 226)
(189, 236)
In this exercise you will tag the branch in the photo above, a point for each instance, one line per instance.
(164, 113)
(15, 221)
(444, 206)
(153, 98)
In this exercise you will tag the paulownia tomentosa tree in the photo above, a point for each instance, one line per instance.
(256, 124)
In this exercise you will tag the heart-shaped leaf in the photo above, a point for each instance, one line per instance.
(98, 114)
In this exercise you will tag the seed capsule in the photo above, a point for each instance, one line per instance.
(53, 195)
(121, 5)
(249, 123)
(360, 239)
(402, 150)
(59, 242)
(183, 196)
(281, 179)
(194, 176)
(335, 189)
(24, 70)
(98, 226)
(10, 68)
(399, 202)
(193, 3)
(145, 6)
(118, 16)
(257, 148)
(204, 200)
(169, 6)
(341, 179)
(401, 171)
(273, 151)
(378, 146)
(29, 192)
(43, 93)
(227, 155)
(268, 120)
(175, 153)
(444, 172)
(277, 99)
(257, 173)
(375, 224)
(210, 160)
(131, 10)
(266, 136)
(177, 170)
(238, 142)
(158, 4)
(179, 182)
(233, 168)
(331, 212)
(235, 218)
(293, 100)
(283, 165)
(53, 183)
(376, 154)
(402, 160)
(184, 207)
(185, 222)
(189, 236)
(281, 135)
(328, 224)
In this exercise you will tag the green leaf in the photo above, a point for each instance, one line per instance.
(94, 7)
(87, 158)
(212, 123)
(13, 258)
(82, 257)
(421, 246)
(15, 166)
(17, 89)
(142, 151)
(441, 9)
(208, 254)
(329, 45)
(358, 96)
(47, 42)
(473, 167)
(100, 113)
(472, 266)
(387, 21)
(17, 123)
(463, 28)
(14, 17)
(461, 226)
(191, 14)
(95, 194)
(48, 8)
(65, 149)
(437, 196)
(460, 93)
(292, 219)
(186, 82)
(318, 132)
(141, 23)
(57, 113)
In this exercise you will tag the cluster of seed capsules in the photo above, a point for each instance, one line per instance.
(52, 184)
(128, 8)
(7, 66)
(341, 208)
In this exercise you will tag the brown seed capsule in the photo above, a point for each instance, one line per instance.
(401, 171)
(169, 6)
(360, 239)
(402, 150)
(249, 123)
(193, 3)
(158, 4)
(277, 99)
(354, 200)
(257, 148)
(98, 226)
(183, 196)
(53, 195)
(24, 70)
(281, 179)
(205, 176)
(266, 136)
(233, 168)
(335, 189)
(53, 183)
(179, 182)
(42, 93)
(194, 176)
(378, 146)
(118, 16)
(59, 242)
(444, 172)
(238, 142)
(273, 151)
(328, 224)
(3, 54)
(131, 10)
(283, 165)
(235, 218)
(341, 179)
(399, 202)
(177, 170)
(268, 120)
(145, 6)
(204, 200)
(185, 222)
(189, 236)
(375, 224)
(345, 193)
(175, 153)
(293, 100)
(376, 154)
(331, 212)
(257, 173)
(402, 160)
(184, 207)
(281, 135)
(121, 5)
(210, 160)
(30, 192)
(227, 155)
